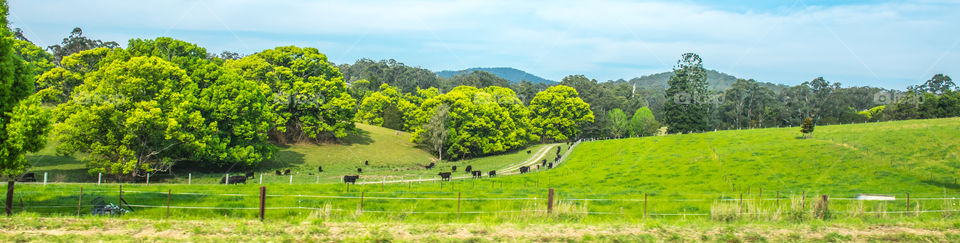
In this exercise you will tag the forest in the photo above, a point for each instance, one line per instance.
(162, 102)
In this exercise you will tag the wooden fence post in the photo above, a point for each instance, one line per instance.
(740, 207)
(458, 206)
(80, 201)
(778, 199)
(803, 205)
(825, 205)
(169, 193)
(908, 203)
(263, 201)
(120, 197)
(550, 201)
(361, 202)
(644, 205)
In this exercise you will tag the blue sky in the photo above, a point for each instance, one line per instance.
(889, 44)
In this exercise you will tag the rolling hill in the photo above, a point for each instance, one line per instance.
(512, 74)
(715, 81)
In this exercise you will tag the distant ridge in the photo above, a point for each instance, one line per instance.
(716, 80)
(508, 73)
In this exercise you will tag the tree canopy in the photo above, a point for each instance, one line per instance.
(558, 113)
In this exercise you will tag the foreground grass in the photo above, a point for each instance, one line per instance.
(30, 228)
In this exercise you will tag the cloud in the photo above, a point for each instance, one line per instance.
(888, 44)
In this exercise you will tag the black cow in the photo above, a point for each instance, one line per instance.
(234, 180)
(528, 151)
(430, 166)
(524, 169)
(543, 162)
(366, 162)
(492, 173)
(286, 172)
(279, 173)
(454, 169)
(444, 176)
(351, 179)
(469, 169)
(359, 170)
(319, 168)
(250, 175)
(28, 177)
(550, 166)
(477, 174)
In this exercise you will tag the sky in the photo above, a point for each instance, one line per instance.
(889, 44)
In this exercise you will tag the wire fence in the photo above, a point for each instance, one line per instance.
(354, 204)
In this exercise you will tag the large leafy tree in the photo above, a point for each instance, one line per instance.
(478, 122)
(558, 113)
(619, 123)
(23, 122)
(57, 84)
(643, 123)
(243, 113)
(134, 116)
(311, 95)
(686, 109)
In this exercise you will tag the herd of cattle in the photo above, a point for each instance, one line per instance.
(445, 176)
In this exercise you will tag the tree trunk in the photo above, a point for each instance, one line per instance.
(10, 197)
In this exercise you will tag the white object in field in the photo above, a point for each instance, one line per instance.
(875, 197)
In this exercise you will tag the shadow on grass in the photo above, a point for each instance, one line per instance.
(942, 184)
(57, 168)
(357, 137)
(283, 159)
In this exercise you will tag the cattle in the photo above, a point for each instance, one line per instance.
(359, 170)
(528, 151)
(477, 174)
(430, 166)
(492, 173)
(350, 179)
(444, 176)
(279, 173)
(319, 168)
(28, 177)
(550, 166)
(286, 172)
(234, 180)
(524, 169)
(250, 175)
(366, 162)
(543, 162)
(454, 169)
(469, 169)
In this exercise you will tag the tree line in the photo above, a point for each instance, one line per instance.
(161, 102)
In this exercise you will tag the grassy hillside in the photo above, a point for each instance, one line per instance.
(699, 175)
(892, 157)
(390, 153)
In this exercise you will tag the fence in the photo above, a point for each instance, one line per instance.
(263, 203)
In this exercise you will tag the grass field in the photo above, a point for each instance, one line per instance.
(390, 153)
(683, 177)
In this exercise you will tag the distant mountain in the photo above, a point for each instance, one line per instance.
(512, 74)
(715, 81)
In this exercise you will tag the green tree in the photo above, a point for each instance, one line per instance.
(76, 42)
(479, 122)
(243, 113)
(134, 117)
(619, 123)
(685, 109)
(312, 97)
(807, 127)
(643, 123)
(23, 122)
(558, 113)
(436, 132)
